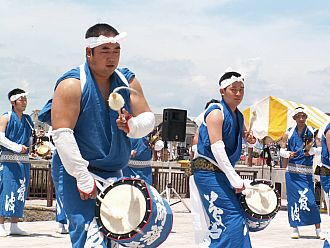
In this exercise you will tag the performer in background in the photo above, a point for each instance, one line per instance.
(88, 135)
(325, 172)
(15, 133)
(139, 165)
(219, 148)
(298, 150)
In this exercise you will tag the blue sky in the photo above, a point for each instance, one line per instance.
(177, 50)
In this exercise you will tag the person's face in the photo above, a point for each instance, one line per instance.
(105, 58)
(20, 104)
(300, 118)
(233, 94)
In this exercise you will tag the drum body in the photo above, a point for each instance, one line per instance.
(43, 150)
(260, 206)
(146, 217)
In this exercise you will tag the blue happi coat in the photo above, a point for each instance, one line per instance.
(302, 207)
(227, 227)
(14, 167)
(140, 165)
(325, 180)
(100, 142)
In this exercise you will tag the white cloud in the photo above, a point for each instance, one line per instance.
(178, 52)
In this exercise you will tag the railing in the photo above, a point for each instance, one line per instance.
(41, 184)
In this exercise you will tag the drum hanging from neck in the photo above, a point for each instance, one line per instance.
(142, 216)
(260, 204)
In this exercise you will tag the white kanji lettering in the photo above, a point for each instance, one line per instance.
(303, 200)
(295, 213)
(21, 190)
(10, 203)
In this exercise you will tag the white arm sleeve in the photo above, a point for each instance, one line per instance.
(72, 160)
(284, 153)
(315, 151)
(141, 125)
(4, 141)
(219, 152)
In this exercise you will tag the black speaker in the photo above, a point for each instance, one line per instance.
(174, 125)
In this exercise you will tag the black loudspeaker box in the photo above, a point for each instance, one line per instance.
(174, 125)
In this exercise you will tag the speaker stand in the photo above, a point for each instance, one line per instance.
(169, 188)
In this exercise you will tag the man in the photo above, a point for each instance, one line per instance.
(325, 172)
(91, 137)
(15, 133)
(139, 165)
(302, 207)
(219, 148)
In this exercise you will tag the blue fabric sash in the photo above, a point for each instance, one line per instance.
(296, 144)
(325, 152)
(17, 130)
(232, 140)
(141, 146)
(98, 137)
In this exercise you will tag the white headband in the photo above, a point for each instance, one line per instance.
(13, 98)
(225, 83)
(299, 110)
(92, 42)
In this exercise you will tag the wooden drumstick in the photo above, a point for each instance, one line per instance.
(252, 120)
(112, 212)
(257, 188)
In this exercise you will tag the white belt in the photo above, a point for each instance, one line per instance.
(139, 164)
(14, 158)
(299, 169)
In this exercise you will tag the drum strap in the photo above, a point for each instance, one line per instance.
(203, 164)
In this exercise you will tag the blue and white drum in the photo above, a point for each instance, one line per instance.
(146, 218)
(260, 204)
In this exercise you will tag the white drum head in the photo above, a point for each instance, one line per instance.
(127, 200)
(263, 201)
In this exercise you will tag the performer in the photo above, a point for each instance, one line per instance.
(140, 163)
(200, 218)
(15, 133)
(325, 172)
(219, 148)
(88, 135)
(302, 207)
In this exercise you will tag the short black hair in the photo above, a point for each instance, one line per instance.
(15, 92)
(211, 101)
(228, 75)
(100, 29)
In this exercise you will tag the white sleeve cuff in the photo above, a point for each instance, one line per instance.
(72, 160)
(315, 151)
(284, 153)
(219, 152)
(4, 141)
(141, 125)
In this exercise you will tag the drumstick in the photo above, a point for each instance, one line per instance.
(252, 120)
(112, 212)
(116, 101)
(257, 188)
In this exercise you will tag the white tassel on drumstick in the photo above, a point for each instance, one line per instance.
(116, 101)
